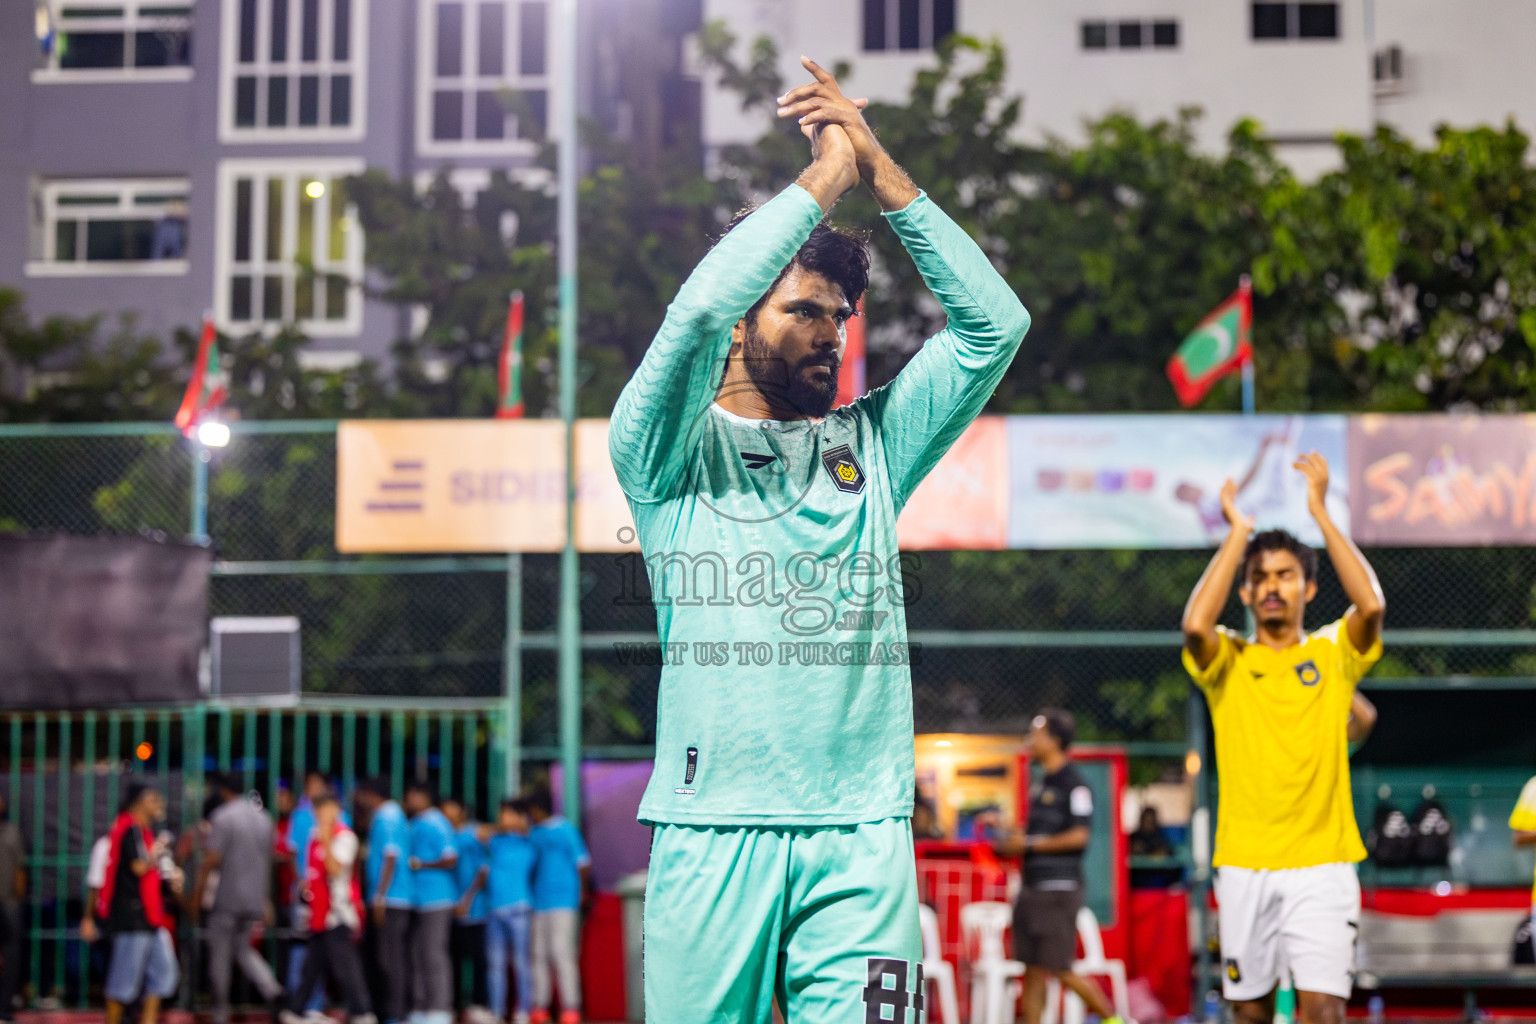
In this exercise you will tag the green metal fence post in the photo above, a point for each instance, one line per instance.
(226, 737)
(61, 853)
(348, 752)
(300, 751)
(200, 459)
(373, 744)
(39, 802)
(248, 751)
(512, 679)
(323, 726)
(397, 752)
(470, 724)
(445, 755)
(421, 726)
(274, 755)
(1202, 858)
(88, 836)
(570, 567)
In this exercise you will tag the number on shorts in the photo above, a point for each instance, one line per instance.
(878, 995)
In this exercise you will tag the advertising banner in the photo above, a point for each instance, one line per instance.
(963, 504)
(1443, 481)
(450, 486)
(1155, 481)
(603, 522)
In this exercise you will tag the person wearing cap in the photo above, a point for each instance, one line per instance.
(1052, 846)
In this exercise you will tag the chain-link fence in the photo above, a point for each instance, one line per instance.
(1000, 633)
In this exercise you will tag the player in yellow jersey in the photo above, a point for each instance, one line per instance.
(1282, 703)
(1522, 822)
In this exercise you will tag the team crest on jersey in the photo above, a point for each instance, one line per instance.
(1233, 974)
(844, 469)
(1308, 673)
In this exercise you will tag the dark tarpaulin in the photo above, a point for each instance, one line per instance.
(89, 622)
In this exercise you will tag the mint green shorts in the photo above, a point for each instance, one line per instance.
(823, 919)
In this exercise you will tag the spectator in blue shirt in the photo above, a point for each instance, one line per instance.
(468, 940)
(389, 893)
(434, 860)
(509, 925)
(559, 886)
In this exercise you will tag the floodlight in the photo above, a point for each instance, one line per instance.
(213, 434)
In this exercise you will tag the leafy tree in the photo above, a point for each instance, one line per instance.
(1423, 262)
(68, 369)
(1404, 280)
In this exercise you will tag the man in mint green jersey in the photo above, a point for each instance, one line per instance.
(781, 860)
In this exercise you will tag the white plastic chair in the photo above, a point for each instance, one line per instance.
(994, 984)
(936, 970)
(1092, 965)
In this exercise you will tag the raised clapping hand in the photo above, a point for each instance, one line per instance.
(1315, 468)
(822, 103)
(824, 114)
(1240, 523)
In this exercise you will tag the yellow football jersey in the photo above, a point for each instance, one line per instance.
(1524, 817)
(1282, 748)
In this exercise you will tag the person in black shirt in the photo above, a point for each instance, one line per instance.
(133, 905)
(1045, 917)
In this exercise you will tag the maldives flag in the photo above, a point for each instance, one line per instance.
(850, 375)
(509, 368)
(207, 389)
(1217, 346)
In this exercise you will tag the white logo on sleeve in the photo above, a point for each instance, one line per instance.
(1081, 802)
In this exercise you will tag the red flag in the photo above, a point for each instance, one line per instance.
(850, 375)
(1219, 345)
(206, 390)
(509, 368)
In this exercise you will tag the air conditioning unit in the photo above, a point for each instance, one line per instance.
(1387, 71)
(254, 658)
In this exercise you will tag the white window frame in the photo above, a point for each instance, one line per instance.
(231, 69)
(294, 171)
(127, 190)
(130, 22)
(1293, 25)
(511, 78)
(1112, 35)
(925, 28)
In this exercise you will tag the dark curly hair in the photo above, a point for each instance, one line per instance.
(839, 255)
(1281, 540)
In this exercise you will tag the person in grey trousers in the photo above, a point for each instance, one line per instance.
(433, 859)
(238, 864)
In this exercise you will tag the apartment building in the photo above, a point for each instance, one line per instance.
(165, 157)
(1304, 71)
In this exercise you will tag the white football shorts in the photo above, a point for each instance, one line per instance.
(1305, 920)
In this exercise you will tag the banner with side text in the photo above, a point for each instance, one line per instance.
(962, 505)
(420, 486)
(1155, 481)
(1443, 481)
(603, 521)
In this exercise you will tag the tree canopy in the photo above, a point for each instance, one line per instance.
(1403, 280)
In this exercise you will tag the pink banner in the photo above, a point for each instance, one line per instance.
(963, 503)
(1443, 481)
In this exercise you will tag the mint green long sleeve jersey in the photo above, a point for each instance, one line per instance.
(770, 546)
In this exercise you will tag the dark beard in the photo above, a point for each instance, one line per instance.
(787, 387)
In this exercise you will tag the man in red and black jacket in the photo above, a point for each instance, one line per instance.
(334, 895)
(143, 955)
